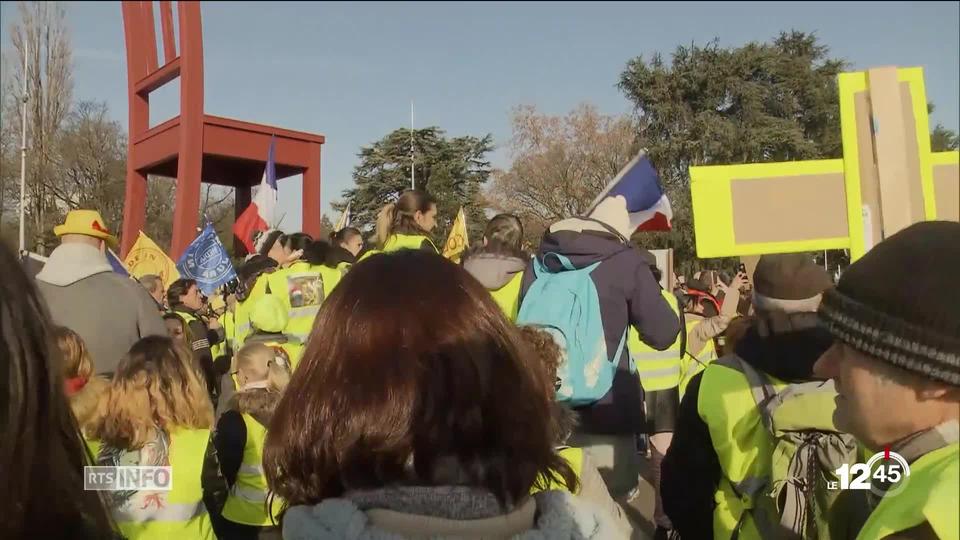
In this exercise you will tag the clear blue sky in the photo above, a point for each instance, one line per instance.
(467, 64)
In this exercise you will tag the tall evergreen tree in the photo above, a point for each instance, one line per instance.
(453, 170)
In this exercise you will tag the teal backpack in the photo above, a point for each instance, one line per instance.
(567, 306)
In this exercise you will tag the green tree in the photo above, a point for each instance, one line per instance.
(453, 170)
(709, 105)
(943, 139)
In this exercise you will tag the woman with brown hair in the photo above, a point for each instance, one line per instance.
(42, 454)
(406, 224)
(80, 385)
(415, 411)
(157, 413)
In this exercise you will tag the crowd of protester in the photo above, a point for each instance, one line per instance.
(373, 389)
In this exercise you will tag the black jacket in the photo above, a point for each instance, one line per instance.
(629, 296)
(690, 472)
(203, 338)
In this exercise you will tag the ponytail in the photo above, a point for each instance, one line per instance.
(385, 223)
(400, 217)
(277, 377)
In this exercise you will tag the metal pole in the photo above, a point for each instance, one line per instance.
(23, 146)
(412, 182)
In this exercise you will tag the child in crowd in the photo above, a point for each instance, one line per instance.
(563, 421)
(239, 438)
(81, 386)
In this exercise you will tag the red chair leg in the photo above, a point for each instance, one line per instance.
(311, 194)
(134, 209)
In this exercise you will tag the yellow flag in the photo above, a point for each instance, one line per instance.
(457, 241)
(146, 257)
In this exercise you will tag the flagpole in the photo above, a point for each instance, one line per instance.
(412, 155)
(23, 148)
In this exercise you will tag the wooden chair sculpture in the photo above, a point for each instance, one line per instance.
(195, 147)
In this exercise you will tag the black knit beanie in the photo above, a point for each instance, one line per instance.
(900, 302)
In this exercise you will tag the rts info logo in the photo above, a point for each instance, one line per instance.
(884, 474)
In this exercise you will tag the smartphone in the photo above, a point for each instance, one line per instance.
(742, 269)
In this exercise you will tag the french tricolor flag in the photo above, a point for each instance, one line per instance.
(259, 215)
(639, 184)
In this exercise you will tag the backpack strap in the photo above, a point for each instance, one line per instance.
(562, 259)
(762, 390)
(683, 329)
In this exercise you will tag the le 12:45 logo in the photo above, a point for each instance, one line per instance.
(885, 474)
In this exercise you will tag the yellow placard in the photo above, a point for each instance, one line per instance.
(457, 241)
(713, 221)
(146, 257)
(711, 187)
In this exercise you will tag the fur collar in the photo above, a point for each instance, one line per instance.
(257, 402)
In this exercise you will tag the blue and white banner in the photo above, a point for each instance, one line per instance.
(207, 261)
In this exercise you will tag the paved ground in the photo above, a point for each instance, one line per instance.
(640, 508)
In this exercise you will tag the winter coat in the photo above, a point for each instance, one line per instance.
(110, 312)
(690, 472)
(231, 434)
(629, 295)
(492, 270)
(446, 512)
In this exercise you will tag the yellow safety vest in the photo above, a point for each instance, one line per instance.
(242, 312)
(344, 267)
(187, 318)
(399, 241)
(743, 445)
(228, 322)
(302, 287)
(657, 370)
(508, 297)
(694, 362)
(94, 446)
(931, 494)
(574, 457)
(246, 502)
(180, 512)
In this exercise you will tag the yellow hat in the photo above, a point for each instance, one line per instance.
(87, 223)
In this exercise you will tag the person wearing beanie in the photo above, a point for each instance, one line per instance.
(896, 365)
(720, 435)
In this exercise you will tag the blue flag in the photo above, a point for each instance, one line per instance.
(206, 261)
(117, 264)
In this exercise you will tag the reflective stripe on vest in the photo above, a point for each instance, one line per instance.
(931, 494)
(508, 296)
(574, 457)
(246, 502)
(657, 370)
(693, 362)
(744, 449)
(180, 512)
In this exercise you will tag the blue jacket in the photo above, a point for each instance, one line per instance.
(629, 295)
